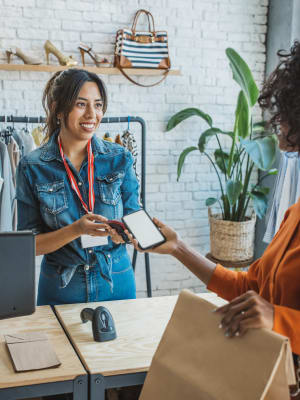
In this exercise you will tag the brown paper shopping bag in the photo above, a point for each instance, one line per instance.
(194, 359)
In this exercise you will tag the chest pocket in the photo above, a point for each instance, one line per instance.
(109, 187)
(52, 196)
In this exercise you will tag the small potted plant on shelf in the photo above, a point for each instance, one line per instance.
(252, 147)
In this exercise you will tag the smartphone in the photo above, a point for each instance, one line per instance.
(140, 224)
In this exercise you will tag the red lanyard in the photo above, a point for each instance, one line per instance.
(90, 177)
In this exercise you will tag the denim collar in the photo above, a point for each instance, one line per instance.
(50, 150)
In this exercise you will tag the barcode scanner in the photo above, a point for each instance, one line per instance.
(103, 325)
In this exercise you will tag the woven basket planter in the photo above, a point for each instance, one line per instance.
(231, 241)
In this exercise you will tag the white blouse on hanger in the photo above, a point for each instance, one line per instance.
(286, 193)
(7, 194)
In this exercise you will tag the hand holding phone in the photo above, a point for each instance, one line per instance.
(141, 226)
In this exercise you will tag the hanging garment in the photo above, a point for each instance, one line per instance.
(14, 155)
(7, 193)
(38, 135)
(129, 143)
(29, 144)
(286, 193)
(18, 138)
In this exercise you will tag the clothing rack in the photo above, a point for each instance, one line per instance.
(110, 120)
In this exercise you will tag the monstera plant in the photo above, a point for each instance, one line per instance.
(251, 147)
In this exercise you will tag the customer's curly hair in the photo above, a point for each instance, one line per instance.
(281, 94)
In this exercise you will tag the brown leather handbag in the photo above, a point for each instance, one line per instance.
(142, 49)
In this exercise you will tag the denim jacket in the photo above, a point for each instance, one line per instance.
(47, 202)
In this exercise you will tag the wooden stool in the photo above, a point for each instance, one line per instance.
(242, 265)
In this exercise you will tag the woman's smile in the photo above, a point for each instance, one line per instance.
(88, 126)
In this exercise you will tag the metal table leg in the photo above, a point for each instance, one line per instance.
(98, 383)
(80, 389)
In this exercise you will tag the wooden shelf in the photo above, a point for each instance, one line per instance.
(99, 71)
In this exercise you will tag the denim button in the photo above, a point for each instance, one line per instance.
(90, 251)
(86, 267)
(108, 255)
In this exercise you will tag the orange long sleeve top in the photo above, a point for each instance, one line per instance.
(275, 277)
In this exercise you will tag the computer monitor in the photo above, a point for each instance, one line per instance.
(17, 274)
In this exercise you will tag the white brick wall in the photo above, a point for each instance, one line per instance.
(199, 31)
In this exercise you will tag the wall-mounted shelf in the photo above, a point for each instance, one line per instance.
(100, 71)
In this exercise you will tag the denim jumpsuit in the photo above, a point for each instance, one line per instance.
(47, 202)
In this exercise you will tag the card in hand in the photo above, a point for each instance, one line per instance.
(119, 227)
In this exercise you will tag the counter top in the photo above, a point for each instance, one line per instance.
(140, 324)
(43, 320)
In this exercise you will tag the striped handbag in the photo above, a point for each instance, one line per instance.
(147, 49)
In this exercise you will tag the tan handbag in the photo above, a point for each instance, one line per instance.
(142, 49)
(195, 360)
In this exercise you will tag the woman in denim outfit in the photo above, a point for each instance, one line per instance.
(75, 102)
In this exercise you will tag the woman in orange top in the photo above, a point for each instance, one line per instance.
(268, 294)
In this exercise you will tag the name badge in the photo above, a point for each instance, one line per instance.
(93, 241)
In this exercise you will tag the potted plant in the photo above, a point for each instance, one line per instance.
(252, 147)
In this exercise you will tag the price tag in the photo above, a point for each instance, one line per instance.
(93, 241)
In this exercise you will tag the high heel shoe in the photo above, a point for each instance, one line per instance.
(98, 60)
(26, 59)
(63, 60)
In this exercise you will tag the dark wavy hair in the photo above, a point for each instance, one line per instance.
(281, 95)
(61, 92)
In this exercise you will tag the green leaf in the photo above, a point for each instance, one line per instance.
(262, 151)
(221, 158)
(260, 203)
(259, 127)
(236, 157)
(207, 135)
(261, 189)
(187, 113)
(242, 75)
(210, 201)
(273, 171)
(233, 190)
(182, 158)
(229, 133)
(243, 115)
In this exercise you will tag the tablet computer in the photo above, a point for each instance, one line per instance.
(17, 274)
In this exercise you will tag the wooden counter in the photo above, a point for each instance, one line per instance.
(139, 323)
(42, 320)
